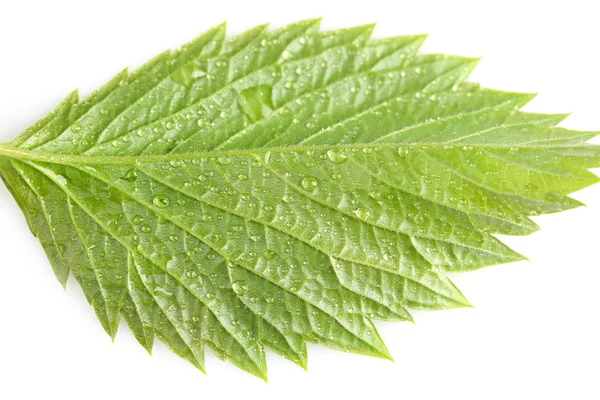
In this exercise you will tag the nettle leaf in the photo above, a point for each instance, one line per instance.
(287, 186)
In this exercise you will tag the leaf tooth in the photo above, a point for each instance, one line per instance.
(461, 257)
(50, 126)
(407, 48)
(152, 315)
(517, 225)
(177, 305)
(227, 347)
(46, 234)
(449, 296)
(458, 70)
(357, 35)
(287, 341)
(380, 286)
(21, 192)
(280, 344)
(364, 338)
(208, 44)
(98, 95)
(236, 43)
(143, 334)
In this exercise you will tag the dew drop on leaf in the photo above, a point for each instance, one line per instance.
(240, 287)
(362, 213)
(130, 175)
(309, 183)
(336, 156)
(161, 201)
(418, 219)
(269, 254)
(191, 274)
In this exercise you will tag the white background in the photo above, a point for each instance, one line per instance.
(534, 332)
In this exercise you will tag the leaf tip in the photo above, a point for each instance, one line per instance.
(387, 355)
(460, 299)
(314, 22)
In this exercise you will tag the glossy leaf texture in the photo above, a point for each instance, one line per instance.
(287, 186)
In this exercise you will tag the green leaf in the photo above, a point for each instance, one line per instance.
(287, 186)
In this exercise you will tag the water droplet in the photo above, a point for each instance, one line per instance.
(130, 175)
(173, 238)
(309, 183)
(269, 255)
(362, 213)
(191, 274)
(240, 287)
(224, 160)
(288, 198)
(243, 177)
(103, 111)
(418, 219)
(336, 156)
(146, 229)
(161, 201)
(138, 219)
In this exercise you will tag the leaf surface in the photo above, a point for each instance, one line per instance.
(287, 186)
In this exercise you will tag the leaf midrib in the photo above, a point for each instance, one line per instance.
(76, 159)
